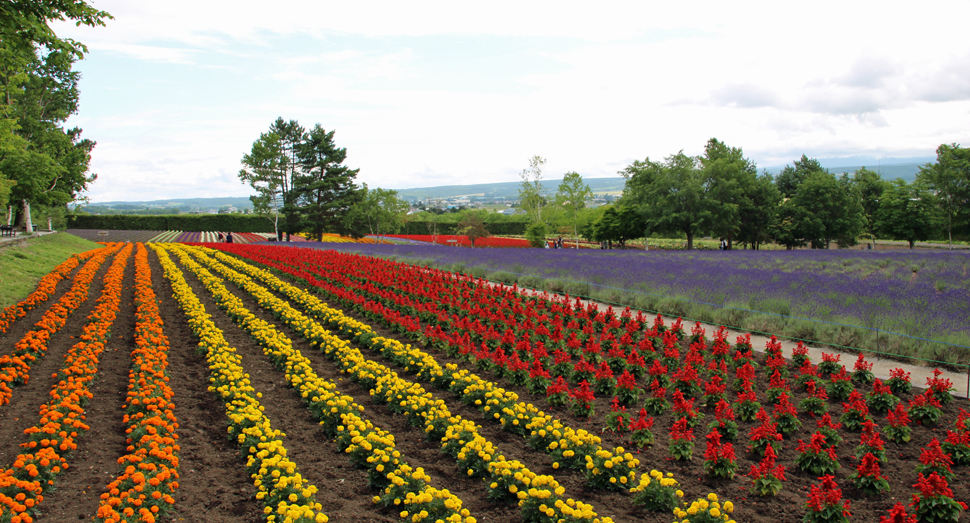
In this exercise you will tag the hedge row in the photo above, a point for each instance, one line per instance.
(244, 223)
(172, 222)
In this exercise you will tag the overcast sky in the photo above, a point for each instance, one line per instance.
(436, 93)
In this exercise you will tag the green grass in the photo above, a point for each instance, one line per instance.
(22, 265)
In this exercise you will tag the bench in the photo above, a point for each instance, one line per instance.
(6, 230)
(24, 228)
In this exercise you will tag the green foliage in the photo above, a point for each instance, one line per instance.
(324, 191)
(906, 212)
(870, 187)
(473, 226)
(671, 196)
(271, 169)
(949, 179)
(530, 193)
(792, 176)
(378, 212)
(536, 234)
(572, 196)
(170, 222)
(822, 209)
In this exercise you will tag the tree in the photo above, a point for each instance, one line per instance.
(906, 212)
(325, 190)
(271, 168)
(825, 209)
(536, 234)
(262, 173)
(949, 179)
(471, 225)
(758, 211)
(793, 175)
(530, 193)
(38, 92)
(671, 197)
(379, 212)
(870, 187)
(731, 181)
(619, 223)
(572, 196)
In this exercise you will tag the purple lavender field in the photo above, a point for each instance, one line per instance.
(806, 294)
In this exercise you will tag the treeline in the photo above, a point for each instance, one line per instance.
(721, 194)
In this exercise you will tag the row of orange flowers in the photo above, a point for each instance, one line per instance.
(61, 420)
(284, 493)
(367, 445)
(45, 289)
(539, 496)
(143, 491)
(15, 367)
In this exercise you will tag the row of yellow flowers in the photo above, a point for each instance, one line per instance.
(539, 497)
(15, 367)
(368, 446)
(45, 289)
(48, 442)
(285, 495)
(614, 469)
(577, 448)
(143, 491)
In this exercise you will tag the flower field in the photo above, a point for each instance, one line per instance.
(807, 294)
(174, 382)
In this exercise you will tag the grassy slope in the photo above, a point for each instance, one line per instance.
(22, 265)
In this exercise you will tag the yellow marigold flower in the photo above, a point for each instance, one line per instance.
(712, 496)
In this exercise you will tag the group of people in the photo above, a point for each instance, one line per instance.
(227, 238)
(556, 244)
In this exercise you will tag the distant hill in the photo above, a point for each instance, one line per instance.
(174, 206)
(237, 202)
(507, 190)
(888, 168)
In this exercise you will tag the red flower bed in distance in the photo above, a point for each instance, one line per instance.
(462, 241)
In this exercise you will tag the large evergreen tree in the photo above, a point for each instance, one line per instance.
(325, 191)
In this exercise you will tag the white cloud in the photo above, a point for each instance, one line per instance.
(590, 88)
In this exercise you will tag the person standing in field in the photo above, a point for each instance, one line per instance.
(229, 237)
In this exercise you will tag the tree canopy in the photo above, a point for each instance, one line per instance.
(41, 162)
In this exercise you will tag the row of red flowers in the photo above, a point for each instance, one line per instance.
(463, 241)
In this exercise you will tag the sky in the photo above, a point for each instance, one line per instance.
(444, 93)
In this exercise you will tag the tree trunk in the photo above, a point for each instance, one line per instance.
(10, 214)
(911, 244)
(27, 221)
(690, 241)
(730, 239)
